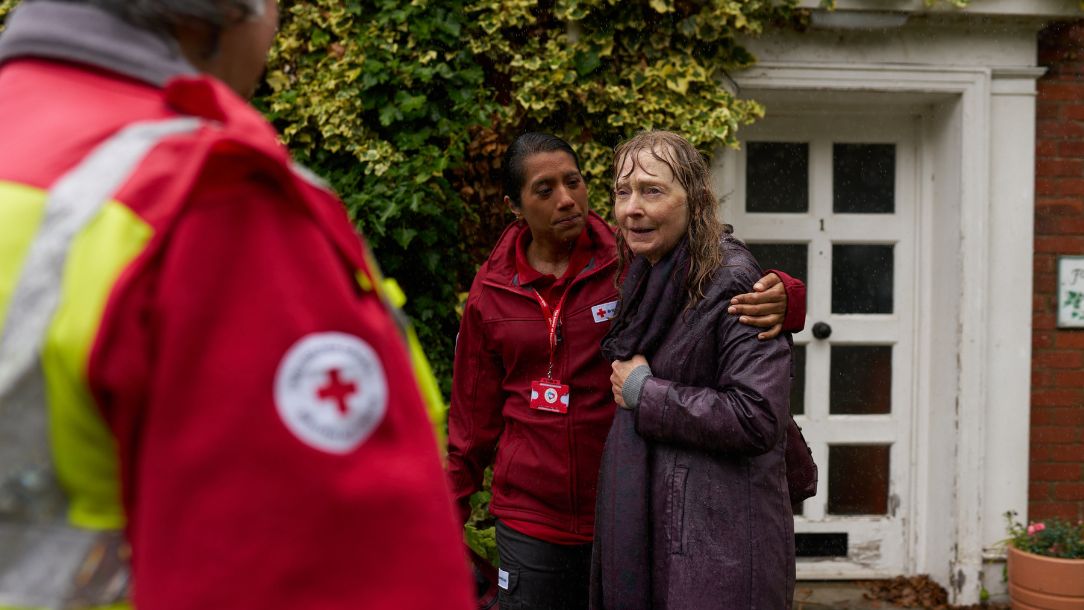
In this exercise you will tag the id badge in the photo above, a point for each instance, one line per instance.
(549, 395)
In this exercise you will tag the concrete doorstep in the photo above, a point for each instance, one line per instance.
(855, 595)
(816, 595)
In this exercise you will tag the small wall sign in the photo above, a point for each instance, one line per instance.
(1071, 292)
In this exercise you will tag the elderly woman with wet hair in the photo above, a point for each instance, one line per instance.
(693, 508)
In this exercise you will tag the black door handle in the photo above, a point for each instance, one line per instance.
(821, 330)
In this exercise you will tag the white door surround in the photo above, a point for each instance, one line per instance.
(973, 264)
(860, 408)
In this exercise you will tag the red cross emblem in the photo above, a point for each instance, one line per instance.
(601, 312)
(337, 390)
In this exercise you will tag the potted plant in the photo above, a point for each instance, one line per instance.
(1046, 564)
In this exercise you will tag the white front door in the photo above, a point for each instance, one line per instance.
(832, 200)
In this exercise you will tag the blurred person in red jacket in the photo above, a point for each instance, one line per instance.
(193, 340)
(531, 392)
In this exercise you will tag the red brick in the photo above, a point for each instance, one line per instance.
(1044, 320)
(1056, 398)
(1042, 379)
(1045, 263)
(1071, 149)
(1069, 379)
(1040, 340)
(1051, 111)
(1046, 149)
(1041, 453)
(1069, 339)
(1054, 472)
(1060, 91)
(1074, 112)
(1060, 359)
(1070, 34)
(1071, 453)
(1069, 186)
(1066, 206)
(1047, 186)
(1037, 511)
(1043, 416)
(1059, 225)
(1060, 167)
(1045, 286)
(1069, 491)
(1038, 491)
(1053, 436)
(1060, 244)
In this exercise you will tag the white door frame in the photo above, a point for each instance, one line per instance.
(973, 343)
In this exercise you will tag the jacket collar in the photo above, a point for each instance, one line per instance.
(87, 35)
(501, 265)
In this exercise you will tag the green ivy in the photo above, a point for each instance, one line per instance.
(378, 97)
(5, 8)
(597, 71)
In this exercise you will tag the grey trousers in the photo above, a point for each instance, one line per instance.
(541, 575)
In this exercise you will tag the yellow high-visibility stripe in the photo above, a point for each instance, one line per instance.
(423, 372)
(21, 211)
(121, 606)
(84, 451)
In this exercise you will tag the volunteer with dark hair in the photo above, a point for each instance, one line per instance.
(531, 391)
(201, 329)
(693, 507)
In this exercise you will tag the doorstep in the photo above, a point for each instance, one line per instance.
(836, 594)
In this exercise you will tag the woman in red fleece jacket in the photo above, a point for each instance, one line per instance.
(531, 391)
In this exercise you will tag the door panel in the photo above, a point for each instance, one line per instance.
(831, 200)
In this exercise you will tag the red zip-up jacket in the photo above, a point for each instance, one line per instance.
(253, 392)
(545, 465)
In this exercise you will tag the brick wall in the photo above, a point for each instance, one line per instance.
(1057, 366)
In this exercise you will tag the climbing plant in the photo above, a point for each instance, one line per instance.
(407, 107)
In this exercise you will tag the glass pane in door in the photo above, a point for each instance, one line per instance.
(797, 386)
(864, 178)
(792, 259)
(861, 278)
(777, 177)
(861, 382)
(858, 479)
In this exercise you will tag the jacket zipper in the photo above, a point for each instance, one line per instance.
(573, 474)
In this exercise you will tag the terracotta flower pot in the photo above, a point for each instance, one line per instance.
(1045, 583)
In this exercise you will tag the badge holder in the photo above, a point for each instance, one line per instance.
(549, 394)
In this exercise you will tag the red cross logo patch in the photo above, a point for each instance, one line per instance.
(331, 391)
(604, 311)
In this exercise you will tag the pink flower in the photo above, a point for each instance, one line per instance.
(1035, 528)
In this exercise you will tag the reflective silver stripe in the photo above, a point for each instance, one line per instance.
(71, 203)
(28, 491)
(310, 176)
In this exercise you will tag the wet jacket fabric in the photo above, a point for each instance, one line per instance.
(545, 465)
(224, 377)
(718, 529)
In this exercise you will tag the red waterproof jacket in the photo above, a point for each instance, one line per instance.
(545, 465)
(224, 351)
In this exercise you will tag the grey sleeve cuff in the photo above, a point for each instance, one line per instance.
(634, 385)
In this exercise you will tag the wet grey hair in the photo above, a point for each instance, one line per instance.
(163, 15)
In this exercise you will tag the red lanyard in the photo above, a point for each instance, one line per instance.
(553, 319)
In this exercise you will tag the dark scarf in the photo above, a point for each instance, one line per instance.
(652, 297)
